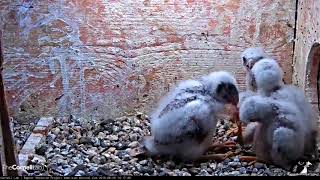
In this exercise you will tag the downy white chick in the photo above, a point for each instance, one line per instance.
(288, 111)
(279, 137)
(268, 76)
(184, 123)
(249, 57)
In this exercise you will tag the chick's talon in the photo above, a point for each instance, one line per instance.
(251, 159)
(219, 146)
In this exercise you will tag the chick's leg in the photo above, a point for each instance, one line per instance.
(217, 146)
(238, 123)
(219, 157)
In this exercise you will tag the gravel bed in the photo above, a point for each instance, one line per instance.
(75, 147)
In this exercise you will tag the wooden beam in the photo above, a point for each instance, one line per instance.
(8, 141)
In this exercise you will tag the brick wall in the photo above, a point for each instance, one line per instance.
(307, 48)
(104, 57)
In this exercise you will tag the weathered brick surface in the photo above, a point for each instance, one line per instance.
(103, 57)
(307, 48)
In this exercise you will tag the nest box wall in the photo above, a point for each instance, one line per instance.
(307, 49)
(104, 57)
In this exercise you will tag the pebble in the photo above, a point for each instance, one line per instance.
(235, 173)
(80, 173)
(96, 160)
(111, 149)
(112, 137)
(143, 162)
(234, 164)
(133, 144)
(77, 160)
(85, 140)
(243, 170)
(51, 137)
(258, 165)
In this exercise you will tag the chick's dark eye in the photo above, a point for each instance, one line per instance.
(244, 60)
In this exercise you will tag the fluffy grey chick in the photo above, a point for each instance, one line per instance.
(296, 96)
(249, 57)
(185, 121)
(268, 76)
(279, 137)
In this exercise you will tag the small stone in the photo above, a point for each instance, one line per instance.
(85, 140)
(67, 171)
(126, 128)
(243, 170)
(76, 141)
(64, 153)
(115, 129)
(204, 173)
(57, 145)
(227, 160)
(80, 173)
(50, 155)
(103, 160)
(213, 166)
(104, 144)
(39, 159)
(57, 150)
(144, 169)
(107, 155)
(194, 170)
(56, 169)
(89, 134)
(96, 142)
(112, 137)
(236, 159)
(56, 131)
(170, 164)
(133, 137)
(133, 144)
(101, 135)
(220, 165)
(63, 145)
(120, 146)
(255, 170)
(123, 118)
(143, 162)
(111, 149)
(268, 172)
(235, 173)
(136, 129)
(261, 171)
(234, 164)
(91, 153)
(50, 138)
(96, 160)
(77, 160)
(258, 165)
